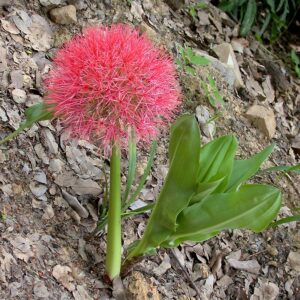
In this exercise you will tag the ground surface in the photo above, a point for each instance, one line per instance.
(48, 250)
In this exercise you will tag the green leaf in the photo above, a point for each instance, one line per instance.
(179, 186)
(204, 189)
(199, 60)
(294, 57)
(131, 164)
(33, 114)
(137, 211)
(265, 23)
(143, 178)
(190, 70)
(216, 160)
(244, 169)
(252, 207)
(285, 220)
(38, 112)
(249, 17)
(295, 168)
(271, 3)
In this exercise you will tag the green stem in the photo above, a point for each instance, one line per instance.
(113, 253)
(12, 135)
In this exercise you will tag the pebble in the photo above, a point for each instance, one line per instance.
(64, 15)
(294, 260)
(37, 190)
(19, 96)
(263, 118)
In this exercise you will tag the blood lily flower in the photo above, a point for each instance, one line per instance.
(111, 79)
(104, 84)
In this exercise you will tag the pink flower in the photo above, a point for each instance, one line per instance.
(109, 80)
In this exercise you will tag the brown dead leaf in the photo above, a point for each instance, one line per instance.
(9, 27)
(22, 248)
(62, 275)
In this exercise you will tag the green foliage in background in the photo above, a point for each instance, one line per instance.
(187, 61)
(271, 16)
(296, 62)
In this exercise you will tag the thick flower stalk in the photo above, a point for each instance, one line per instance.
(104, 84)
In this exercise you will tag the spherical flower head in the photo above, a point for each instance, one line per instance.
(110, 80)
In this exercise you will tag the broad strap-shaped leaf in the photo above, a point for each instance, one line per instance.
(216, 160)
(244, 169)
(252, 207)
(204, 189)
(179, 187)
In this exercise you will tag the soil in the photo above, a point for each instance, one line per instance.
(48, 249)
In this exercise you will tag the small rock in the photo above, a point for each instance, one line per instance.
(227, 56)
(38, 190)
(294, 260)
(270, 291)
(272, 250)
(16, 78)
(40, 177)
(263, 118)
(19, 96)
(64, 15)
(142, 289)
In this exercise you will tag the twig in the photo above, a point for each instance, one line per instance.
(186, 274)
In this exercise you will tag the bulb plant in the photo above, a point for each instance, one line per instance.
(113, 87)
